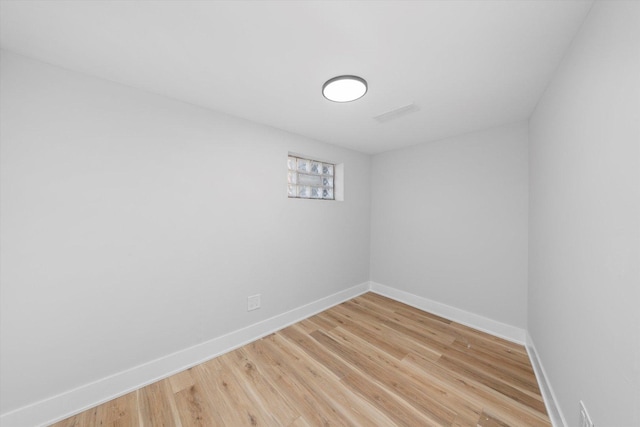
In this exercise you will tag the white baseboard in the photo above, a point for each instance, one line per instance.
(493, 327)
(74, 401)
(550, 401)
(484, 324)
(69, 403)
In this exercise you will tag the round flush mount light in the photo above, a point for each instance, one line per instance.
(344, 88)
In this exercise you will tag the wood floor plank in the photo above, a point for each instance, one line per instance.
(312, 406)
(464, 333)
(492, 338)
(307, 325)
(351, 407)
(429, 398)
(383, 336)
(322, 323)
(376, 335)
(86, 418)
(479, 394)
(300, 422)
(439, 330)
(495, 359)
(242, 409)
(487, 420)
(181, 381)
(358, 356)
(122, 411)
(529, 399)
(395, 305)
(194, 408)
(434, 401)
(204, 399)
(463, 356)
(436, 341)
(155, 406)
(368, 361)
(315, 350)
(262, 391)
(393, 406)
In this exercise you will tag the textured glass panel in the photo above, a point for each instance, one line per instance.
(327, 181)
(304, 165)
(309, 179)
(291, 163)
(316, 192)
(304, 191)
(316, 167)
(327, 169)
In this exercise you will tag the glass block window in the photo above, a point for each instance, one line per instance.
(310, 179)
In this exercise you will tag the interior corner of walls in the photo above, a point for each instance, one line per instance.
(72, 402)
(476, 321)
(551, 403)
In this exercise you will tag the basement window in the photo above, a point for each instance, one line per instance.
(310, 179)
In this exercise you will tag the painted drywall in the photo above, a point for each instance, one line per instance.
(584, 283)
(134, 226)
(449, 222)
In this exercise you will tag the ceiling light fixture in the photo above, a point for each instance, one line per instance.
(344, 88)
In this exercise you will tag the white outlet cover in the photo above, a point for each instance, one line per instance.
(253, 302)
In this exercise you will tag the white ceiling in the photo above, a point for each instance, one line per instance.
(467, 65)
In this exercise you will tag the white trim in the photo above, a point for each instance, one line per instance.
(74, 401)
(484, 324)
(550, 401)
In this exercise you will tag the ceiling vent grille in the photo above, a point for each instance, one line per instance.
(396, 113)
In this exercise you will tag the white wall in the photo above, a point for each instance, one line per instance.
(134, 226)
(449, 222)
(584, 283)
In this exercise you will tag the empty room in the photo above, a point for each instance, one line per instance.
(318, 213)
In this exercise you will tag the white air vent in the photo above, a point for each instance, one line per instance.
(396, 113)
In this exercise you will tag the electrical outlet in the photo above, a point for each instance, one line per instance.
(585, 419)
(253, 302)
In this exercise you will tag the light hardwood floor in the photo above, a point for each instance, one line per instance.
(370, 361)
